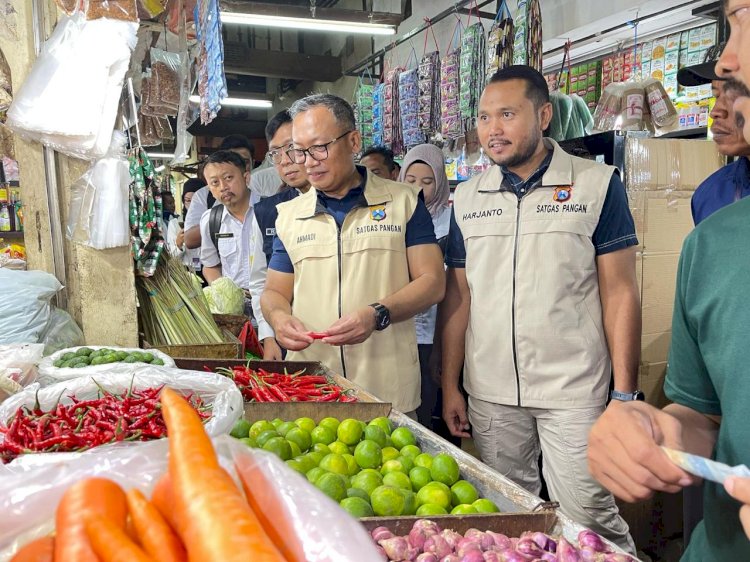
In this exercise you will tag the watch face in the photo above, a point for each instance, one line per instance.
(383, 318)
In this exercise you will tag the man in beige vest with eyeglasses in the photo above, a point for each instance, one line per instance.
(354, 259)
(541, 305)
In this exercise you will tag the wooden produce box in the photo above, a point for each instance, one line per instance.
(509, 524)
(290, 411)
(232, 323)
(231, 348)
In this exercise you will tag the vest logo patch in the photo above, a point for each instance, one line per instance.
(377, 213)
(305, 238)
(562, 194)
(270, 232)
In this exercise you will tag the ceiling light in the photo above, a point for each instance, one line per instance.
(239, 102)
(160, 155)
(308, 23)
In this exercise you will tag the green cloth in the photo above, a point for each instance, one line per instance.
(709, 363)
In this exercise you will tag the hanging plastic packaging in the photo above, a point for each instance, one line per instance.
(500, 42)
(184, 139)
(408, 100)
(471, 71)
(98, 215)
(429, 93)
(450, 114)
(24, 317)
(70, 98)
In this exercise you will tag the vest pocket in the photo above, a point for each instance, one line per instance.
(299, 253)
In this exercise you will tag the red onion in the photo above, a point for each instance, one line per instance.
(484, 539)
(549, 557)
(381, 552)
(398, 549)
(545, 542)
(427, 557)
(381, 533)
(451, 537)
(500, 540)
(613, 557)
(566, 552)
(437, 545)
(492, 556)
(465, 546)
(527, 546)
(417, 538)
(590, 538)
(473, 556)
(451, 558)
(428, 527)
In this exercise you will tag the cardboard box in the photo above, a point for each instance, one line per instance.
(657, 68)
(695, 36)
(662, 219)
(651, 381)
(708, 36)
(657, 301)
(671, 62)
(673, 42)
(659, 48)
(653, 522)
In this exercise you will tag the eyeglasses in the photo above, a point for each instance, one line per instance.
(317, 151)
(276, 155)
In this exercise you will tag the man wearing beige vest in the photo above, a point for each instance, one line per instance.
(541, 304)
(354, 259)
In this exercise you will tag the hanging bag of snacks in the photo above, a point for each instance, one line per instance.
(521, 28)
(534, 35)
(500, 42)
(147, 241)
(377, 115)
(391, 117)
(408, 102)
(472, 69)
(363, 102)
(428, 74)
(450, 118)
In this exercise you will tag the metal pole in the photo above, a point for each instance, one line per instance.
(50, 171)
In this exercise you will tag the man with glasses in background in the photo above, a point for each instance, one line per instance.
(354, 259)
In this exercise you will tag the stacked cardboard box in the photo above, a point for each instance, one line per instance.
(661, 176)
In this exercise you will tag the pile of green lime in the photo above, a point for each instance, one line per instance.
(86, 356)
(370, 469)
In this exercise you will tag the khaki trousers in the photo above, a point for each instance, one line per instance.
(510, 439)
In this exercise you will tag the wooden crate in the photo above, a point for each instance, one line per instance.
(231, 348)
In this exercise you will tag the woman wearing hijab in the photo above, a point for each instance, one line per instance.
(424, 166)
(176, 233)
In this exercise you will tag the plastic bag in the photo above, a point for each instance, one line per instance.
(112, 9)
(218, 392)
(18, 367)
(98, 213)
(70, 98)
(51, 374)
(165, 76)
(61, 332)
(313, 523)
(24, 317)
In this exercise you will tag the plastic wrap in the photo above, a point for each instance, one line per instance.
(18, 367)
(24, 317)
(184, 139)
(98, 213)
(450, 117)
(126, 10)
(61, 332)
(165, 81)
(70, 98)
(55, 374)
(314, 526)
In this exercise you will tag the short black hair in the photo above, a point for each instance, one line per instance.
(237, 141)
(281, 118)
(383, 151)
(536, 86)
(225, 157)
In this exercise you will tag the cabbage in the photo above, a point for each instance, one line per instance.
(224, 297)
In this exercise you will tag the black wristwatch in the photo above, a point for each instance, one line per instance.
(627, 396)
(382, 316)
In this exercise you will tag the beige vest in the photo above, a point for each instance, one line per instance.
(336, 273)
(535, 335)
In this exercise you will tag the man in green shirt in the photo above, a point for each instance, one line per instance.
(708, 378)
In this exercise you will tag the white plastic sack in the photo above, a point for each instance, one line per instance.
(69, 99)
(319, 527)
(98, 213)
(61, 332)
(50, 374)
(25, 311)
(18, 367)
(216, 391)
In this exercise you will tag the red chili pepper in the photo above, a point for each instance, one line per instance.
(318, 335)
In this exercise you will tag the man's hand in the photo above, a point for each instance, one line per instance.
(454, 412)
(290, 332)
(271, 350)
(180, 240)
(352, 328)
(625, 455)
(739, 489)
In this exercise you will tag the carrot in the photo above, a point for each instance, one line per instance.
(162, 499)
(111, 543)
(93, 496)
(40, 550)
(213, 518)
(155, 535)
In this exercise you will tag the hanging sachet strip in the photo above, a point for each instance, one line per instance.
(520, 41)
(212, 84)
(450, 115)
(363, 103)
(500, 42)
(472, 67)
(534, 35)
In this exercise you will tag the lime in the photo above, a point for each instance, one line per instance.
(265, 436)
(406, 462)
(156, 361)
(368, 454)
(376, 434)
(128, 359)
(383, 423)
(306, 463)
(321, 448)
(410, 502)
(420, 477)
(110, 358)
(402, 436)
(444, 469)
(305, 423)
(296, 451)
(367, 481)
(332, 485)
(411, 451)
(315, 457)
(58, 363)
(397, 480)
(276, 422)
(323, 435)
(121, 355)
(387, 501)
(278, 446)
(301, 437)
(339, 448)
(358, 493)
(241, 429)
(294, 464)
(434, 495)
(353, 466)
(249, 441)
(430, 509)
(463, 492)
(388, 441)
(259, 427)
(148, 357)
(330, 423)
(79, 365)
(68, 356)
(313, 474)
(424, 460)
(84, 351)
(357, 507)
(98, 360)
(349, 431)
(392, 466)
(463, 508)
(284, 427)
(389, 453)
(483, 505)
(334, 463)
